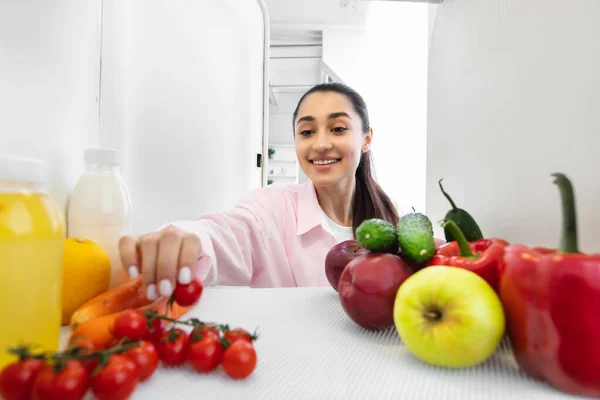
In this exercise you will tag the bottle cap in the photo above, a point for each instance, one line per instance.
(102, 156)
(21, 169)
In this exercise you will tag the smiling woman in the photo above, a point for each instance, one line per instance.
(277, 236)
(332, 132)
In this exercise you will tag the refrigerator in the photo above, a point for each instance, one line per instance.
(180, 87)
(187, 83)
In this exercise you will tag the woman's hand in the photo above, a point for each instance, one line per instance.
(162, 258)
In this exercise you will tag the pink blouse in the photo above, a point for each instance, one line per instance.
(276, 236)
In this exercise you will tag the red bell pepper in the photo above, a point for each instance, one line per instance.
(482, 256)
(551, 300)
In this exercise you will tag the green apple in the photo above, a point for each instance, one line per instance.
(449, 316)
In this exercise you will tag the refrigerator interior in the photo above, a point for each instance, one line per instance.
(183, 95)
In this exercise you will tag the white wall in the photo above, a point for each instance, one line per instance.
(514, 95)
(116, 47)
(183, 96)
(49, 64)
(345, 52)
(387, 64)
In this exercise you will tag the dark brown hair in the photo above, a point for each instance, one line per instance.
(369, 199)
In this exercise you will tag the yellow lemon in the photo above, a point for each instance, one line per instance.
(85, 274)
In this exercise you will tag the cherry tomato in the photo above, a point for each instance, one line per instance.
(17, 378)
(113, 343)
(236, 334)
(130, 324)
(117, 380)
(186, 295)
(145, 358)
(88, 347)
(80, 341)
(70, 383)
(239, 360)
(172, 347)
(208, 330)
(205, 354)
(155, 332)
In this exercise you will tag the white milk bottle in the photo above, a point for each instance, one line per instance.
(100, 206)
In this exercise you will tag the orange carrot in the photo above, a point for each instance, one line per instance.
(128, 295)
(99, 330)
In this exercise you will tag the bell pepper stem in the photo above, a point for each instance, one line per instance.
(568, 240)
(447, 195)
(459, 236)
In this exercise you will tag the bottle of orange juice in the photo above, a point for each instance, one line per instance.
(32, 234)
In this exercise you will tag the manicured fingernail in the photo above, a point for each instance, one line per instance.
(185, 275)
(151, 292)
(133, 271)
(165, 287)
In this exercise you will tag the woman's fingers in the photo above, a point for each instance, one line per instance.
(128, 250)
(188, 258)
(169, 246)
(162, 259)
(149, 253)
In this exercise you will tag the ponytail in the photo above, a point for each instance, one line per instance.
(369, 199)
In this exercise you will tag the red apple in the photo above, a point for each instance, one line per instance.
(368, 288)
(338, 257)
(414, 265)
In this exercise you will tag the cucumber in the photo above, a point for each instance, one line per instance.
(415, 237)
(378, 236)
(463, 219)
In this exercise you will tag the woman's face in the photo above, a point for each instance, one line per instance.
(329, 138)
